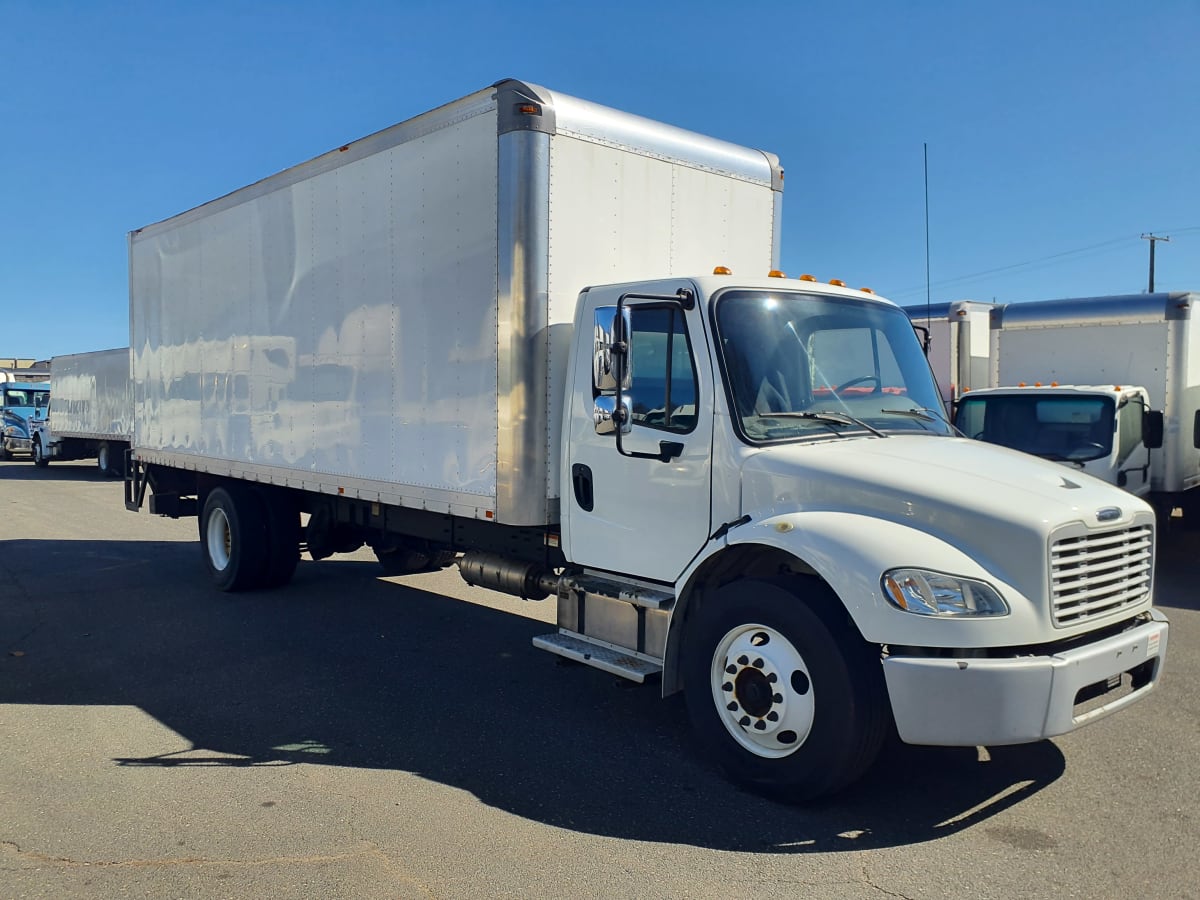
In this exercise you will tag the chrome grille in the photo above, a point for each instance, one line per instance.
(1100, 572)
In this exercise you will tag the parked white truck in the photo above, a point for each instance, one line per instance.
(1108, 385)
(473, 333)
(957, 337)
(91, 411)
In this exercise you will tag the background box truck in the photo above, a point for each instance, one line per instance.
(1110, 385)
(91, 411)
(484, 332)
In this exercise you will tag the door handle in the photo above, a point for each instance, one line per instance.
(581, 481)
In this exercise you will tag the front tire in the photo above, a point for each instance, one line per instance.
(39, 455)
(782, 691)
(233, 538)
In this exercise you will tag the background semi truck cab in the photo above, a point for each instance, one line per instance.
(20, 403)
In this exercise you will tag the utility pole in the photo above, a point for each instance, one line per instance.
(1152, 238)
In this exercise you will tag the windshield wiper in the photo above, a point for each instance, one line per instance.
(925, 415)
(827, 417)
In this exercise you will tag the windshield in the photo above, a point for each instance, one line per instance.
(1062, 428)
(800, 365)
(26, 397)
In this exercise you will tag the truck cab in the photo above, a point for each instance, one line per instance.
(21, 403)
(1106, 431)
(813, 515)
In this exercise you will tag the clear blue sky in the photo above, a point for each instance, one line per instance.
(1057, 132)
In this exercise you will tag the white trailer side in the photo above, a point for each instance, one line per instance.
(958, 344)
(369, 323)
(91, 410)
(90, 395)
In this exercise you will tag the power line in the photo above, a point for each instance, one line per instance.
(1038, 261)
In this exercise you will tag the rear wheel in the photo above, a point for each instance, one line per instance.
(282, 521)
(784, 695)
(233, 538)
(104, 461)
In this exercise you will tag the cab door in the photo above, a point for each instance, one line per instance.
(639, 459)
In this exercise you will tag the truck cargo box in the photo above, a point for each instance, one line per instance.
(90, 395)
(389, 321)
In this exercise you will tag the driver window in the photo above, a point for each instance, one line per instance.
(663, 382)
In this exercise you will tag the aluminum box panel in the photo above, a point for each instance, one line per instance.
(391, 320)
(90, 395)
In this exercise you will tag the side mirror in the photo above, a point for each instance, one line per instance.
(607, 331)
(1152, 429)
(604, 415)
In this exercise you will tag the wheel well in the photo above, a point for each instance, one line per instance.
(747, 561)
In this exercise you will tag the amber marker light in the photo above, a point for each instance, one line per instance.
(812, 278)
(775, 273)
(866, 290)
(837, 282)
(722, 270)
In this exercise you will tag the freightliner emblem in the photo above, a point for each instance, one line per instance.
(1108, 513)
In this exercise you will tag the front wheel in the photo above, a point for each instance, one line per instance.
(782, 691)
(40, 459)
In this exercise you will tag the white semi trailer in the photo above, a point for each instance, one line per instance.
(1109, 385)
(957, 336)
(90, 415)
(481, 332)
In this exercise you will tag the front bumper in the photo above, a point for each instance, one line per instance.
(971, 702)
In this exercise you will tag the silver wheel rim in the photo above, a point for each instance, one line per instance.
(219, 539)
(762, 690)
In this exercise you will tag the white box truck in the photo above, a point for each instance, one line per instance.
(957, 342)
(90, 415)
(474, 333)
(1109, 385)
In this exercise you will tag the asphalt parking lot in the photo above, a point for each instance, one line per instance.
(358, 736)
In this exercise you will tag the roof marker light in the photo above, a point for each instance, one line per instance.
(775, 273)
(807, 278)
(866, 290)
(837, 282)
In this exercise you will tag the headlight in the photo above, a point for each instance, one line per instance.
(935, 594)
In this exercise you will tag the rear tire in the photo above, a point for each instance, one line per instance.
(282, 522)
(104, 459)
(233, 538)
(784, 694)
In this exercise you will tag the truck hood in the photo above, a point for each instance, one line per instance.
(985, 499)
(17, 416)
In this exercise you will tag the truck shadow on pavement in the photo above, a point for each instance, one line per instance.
(343, 668)
(23, 469)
